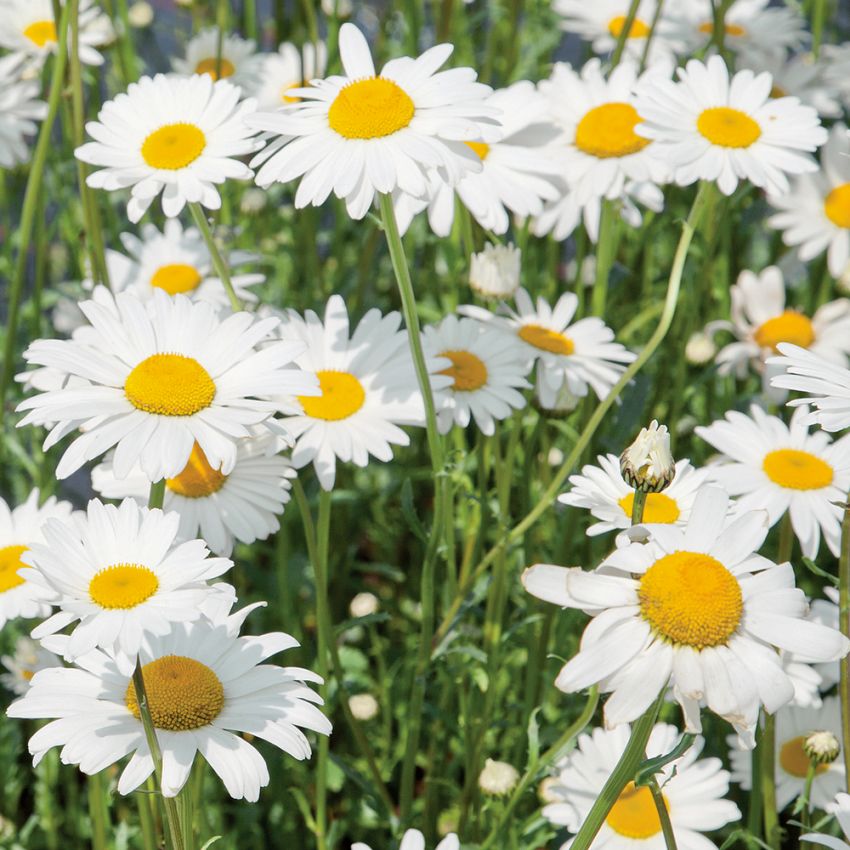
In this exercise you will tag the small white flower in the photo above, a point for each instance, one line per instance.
(413, 839)
(498, 778)
(19, 111)
(237, 61)
(494, 272)
(29, 657)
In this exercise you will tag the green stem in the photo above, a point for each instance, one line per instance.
(146, 821)
(126, 53)
(806, 800)
(218, 261)
(637, 507)
(663, 815)
(98, 811)
(605, 253)
(320, 568)
(157, 494)
(624, 33)
(767, 745)
(221, 25)
(652, 27)
(844, 626)
(818, 19)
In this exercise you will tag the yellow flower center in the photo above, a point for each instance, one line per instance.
(295, 84)
(793, 759)
(27, 675)
(837, 205)
(468, 371)
(175, 278)
(342, 396)
(791, 326)
(198, 479)
(634, 814)
(735, 30)
(208, 66)
(727, 127)
(10, 563)
(41, 32)
(481, 148)
(183, 693)
(691, 599)
(638, 29)
(123, 586)
(546, 339)
(658, 507)
(370, 109)
(609, 131)
(173, 146)
(170, 385)
(797, 470)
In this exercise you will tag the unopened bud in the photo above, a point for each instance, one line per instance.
(647, 464)
(363, 706)
(700, 349)
(363, 605)
(494, 273)
(821, 747)
(498, 778)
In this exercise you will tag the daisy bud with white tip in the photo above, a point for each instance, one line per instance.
(364, 604)
(647, 464)
(363, 706)
(494, 273)
(498, 778)
(821, 747)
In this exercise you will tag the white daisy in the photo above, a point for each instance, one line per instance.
(19, 111)
(783, 468)
(290, 68)
(709, 127)
(695, 608)
(238, 61)
(364, 132)
(242, 505)
(172, 135)
(602, 490)
(495, 271)
(118, 573)
(693, 790)
(825, 611)
(413, 839)
(577, 356)
(206, 688)
(487, 371)
(20, 528)
(793, 726)
(815, 215)
(163, 376)
(28, 658)
(28, 27)
(801, 76)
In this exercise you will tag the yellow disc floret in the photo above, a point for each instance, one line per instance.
(370, 109)
(198, 479)
(183, 693)
(794, 761)
(728, 128)
(691, 599)
(790, 326)
(218, 69)
(41, 33)
(797, 470)
(481, 148)
(659, 507)
(609, 131)
(173, 146)
(546, 339)
(468, 371)
(634, 814)
(123, 586)
(170, 385)
(175, 278)
(638, 29)
(836, 206)
(10, 563)
(342, 396)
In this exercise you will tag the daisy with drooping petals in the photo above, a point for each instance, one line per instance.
(118, 573)
(28, 27)
(363, 133)
(695, 608)
(413, 839)
(367, 389)
(242, 505)
(577, 356)
(761, 320)
(711, 127)
(783, 468)
(793, 726)
(815, 215)
(290, 68)
(20, 528)
(206, 686)
(163, 376)
(486, 369)
(693, 790)
(29, 657)
(237, 61)
(19, 111)
(602, 490)
(176, 136)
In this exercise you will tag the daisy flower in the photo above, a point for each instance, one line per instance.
(487, 372)
(413, 839)
(602, 490)
(118, 573)
(800, 76)
(242, 505)
(238, 61)
(20, 528)
(495, 271)
(171, 135)
(206, 688)
(363, 132)
(695, 608)
(709, 127)
(793, 726)
(693, 790)
(783, 468)
(28, 27)
(367, 388)
(162, 376)
(840, 807)
(290, 68)
(761, 320)
(19, 111)
(28, 658)
(815, 215)
(599, 148)
(577, 356)
(825, 611)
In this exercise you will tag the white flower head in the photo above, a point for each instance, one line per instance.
(237, 61)
(292, 67)
(498, 778)
(413, 839)
(29, 657)
(495, 271)
(20, 109)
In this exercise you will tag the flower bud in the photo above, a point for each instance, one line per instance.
(498, 778)
(821, 747)
(494, 273)
(647, 464)
(363, 706)
(363, 605)
(700, 349)
(140, 14)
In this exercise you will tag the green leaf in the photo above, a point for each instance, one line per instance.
(647, 769)
(408, 510)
